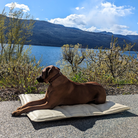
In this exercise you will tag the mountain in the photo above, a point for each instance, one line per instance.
(133, 37)
(129, 37)
(49, 34)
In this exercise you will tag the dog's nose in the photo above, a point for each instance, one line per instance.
(39, 79)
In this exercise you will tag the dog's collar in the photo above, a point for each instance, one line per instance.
(56, 76)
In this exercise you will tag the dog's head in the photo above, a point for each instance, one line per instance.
(47, 73)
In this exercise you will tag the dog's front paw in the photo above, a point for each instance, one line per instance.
(16, 113)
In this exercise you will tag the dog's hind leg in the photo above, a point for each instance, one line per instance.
(100, 99)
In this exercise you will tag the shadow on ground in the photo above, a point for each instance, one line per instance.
(81, 123)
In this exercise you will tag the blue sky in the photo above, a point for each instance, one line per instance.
(116, 16)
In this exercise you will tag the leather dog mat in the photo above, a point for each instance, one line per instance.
(62, 112)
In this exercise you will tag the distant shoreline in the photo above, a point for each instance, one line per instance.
(65, 44)
(83, 47)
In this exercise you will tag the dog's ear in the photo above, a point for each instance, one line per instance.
(48, 70)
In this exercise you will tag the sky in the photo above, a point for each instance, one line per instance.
(116, 16)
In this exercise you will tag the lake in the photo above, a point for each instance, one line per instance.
(50, 55)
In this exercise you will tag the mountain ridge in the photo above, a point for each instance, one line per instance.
(49, 34)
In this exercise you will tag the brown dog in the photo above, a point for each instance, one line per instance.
(63, 91)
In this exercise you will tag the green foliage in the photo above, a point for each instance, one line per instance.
(14, 33)
(30, 89)
(20, 74)
(42, 92)
(73, 55)
(17, 68)
(106, 66)
(78, 77)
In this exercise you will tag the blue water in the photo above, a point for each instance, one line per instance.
(50, 55)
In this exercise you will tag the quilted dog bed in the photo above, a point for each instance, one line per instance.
(62, 112)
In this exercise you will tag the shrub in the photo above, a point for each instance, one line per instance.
(14, 33)
(20, 74)
(17, 68)
(73, 55)
(106, 66)
(79, 77)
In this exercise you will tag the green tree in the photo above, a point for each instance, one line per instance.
(17, 68)
(14, 33)
(2, 32)
(111, 64)
(106, 66)
(73, 55)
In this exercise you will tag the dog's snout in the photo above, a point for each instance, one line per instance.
(40, 79)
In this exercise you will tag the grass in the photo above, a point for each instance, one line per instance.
(42, 92)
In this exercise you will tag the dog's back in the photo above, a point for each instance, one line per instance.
(81, 93)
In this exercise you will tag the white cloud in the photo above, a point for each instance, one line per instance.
(109, 8)
(118, 29)
(20, 6)
(79, 8)
(91, 29)
(106, 14)
(37, 18)
(103, 16)
(73, 20)
(115, 29)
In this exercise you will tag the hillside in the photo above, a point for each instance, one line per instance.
(48, 34)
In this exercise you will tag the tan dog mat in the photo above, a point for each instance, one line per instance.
(61, 112)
